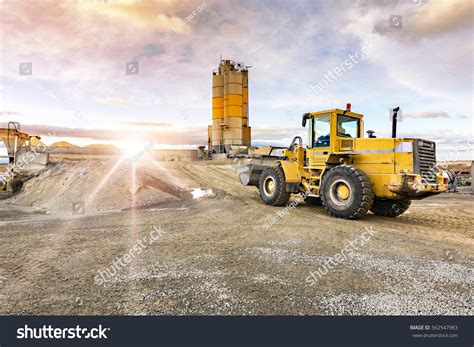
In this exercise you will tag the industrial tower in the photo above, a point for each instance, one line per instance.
(230, 107)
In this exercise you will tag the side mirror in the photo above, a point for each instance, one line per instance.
(305, 117)
(371, 134)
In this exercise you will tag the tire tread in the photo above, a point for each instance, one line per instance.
(365, 189)
(282, 195)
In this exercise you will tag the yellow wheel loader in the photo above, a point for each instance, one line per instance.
(346, 173)
(19, 158)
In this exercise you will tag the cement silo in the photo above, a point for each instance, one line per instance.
(217, 129)
(229, 107)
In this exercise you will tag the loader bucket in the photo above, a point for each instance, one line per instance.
(252, 174)
(250, 168)
(249, 173)
(31, 162)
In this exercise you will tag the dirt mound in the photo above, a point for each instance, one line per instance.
(87, 186)
(34, 142)
(101, 146)
(63, 144)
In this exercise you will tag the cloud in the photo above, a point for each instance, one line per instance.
(432, 18)
(150, 50)
(438, 17)
(112, 101)
(276, 133)
(9, 113)
(288, 47)
(427, 114)
(147, 124)
(433, 114)
(429, 57)
(144, 14)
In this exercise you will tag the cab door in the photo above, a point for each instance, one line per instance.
(319, 143)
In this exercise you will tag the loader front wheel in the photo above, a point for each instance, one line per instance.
(272, 186)
(346, 192)
(390, 208)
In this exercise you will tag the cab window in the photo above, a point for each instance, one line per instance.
(347, 126)
(4, 159)
(322, 129)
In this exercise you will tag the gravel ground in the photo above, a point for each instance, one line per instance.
(213, 255)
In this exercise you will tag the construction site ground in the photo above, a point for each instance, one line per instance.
(213, 253)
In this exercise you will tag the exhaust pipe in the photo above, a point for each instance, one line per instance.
(394, 122)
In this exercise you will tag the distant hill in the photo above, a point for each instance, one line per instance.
(64, 144)
(101, 146)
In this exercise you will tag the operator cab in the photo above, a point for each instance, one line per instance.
(328, 129)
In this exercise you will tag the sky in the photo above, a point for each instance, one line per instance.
(65, 68)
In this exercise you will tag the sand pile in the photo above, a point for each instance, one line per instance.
(93, 185)
(63, 144)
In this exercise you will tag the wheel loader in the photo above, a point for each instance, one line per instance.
(19, 158)
(346, 173)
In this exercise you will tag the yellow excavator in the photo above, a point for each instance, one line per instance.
(21, 156)
(346, 173)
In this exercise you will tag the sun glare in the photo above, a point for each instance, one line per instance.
(133, 148)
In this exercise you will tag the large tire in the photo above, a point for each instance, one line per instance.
(272, 186)
(390, 208)
(312, 200)
(346, 192)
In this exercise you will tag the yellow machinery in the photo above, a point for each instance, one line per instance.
(230, 122)
(346, 173)
(19, 158)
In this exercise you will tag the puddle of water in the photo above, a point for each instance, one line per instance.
(200, 193)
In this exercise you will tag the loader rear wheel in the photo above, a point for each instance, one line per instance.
(390, 208)
(346, 192)
(272, 186)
